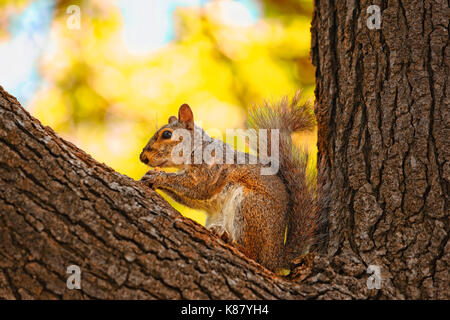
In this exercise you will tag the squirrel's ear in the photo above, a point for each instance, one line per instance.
(172, 119)
(186, 116)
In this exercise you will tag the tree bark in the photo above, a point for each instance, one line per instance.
(383, 122)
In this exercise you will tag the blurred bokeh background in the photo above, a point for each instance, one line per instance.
(106, 83)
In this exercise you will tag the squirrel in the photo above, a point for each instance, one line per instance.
(271, 218)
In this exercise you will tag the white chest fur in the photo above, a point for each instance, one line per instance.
(229, 216)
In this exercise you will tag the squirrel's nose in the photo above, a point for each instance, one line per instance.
(143, 158)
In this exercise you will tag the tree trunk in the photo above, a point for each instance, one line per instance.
(383, 117)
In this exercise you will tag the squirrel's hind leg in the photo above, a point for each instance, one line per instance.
(264, 231)
(220, 232)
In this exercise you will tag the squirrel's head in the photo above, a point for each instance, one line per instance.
(158, 151)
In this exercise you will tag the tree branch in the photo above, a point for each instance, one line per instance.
(60, 207)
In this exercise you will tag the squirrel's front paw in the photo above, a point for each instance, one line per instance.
(150, 178)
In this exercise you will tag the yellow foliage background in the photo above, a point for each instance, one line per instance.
(108, 100)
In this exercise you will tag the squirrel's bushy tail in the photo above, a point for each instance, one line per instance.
(303, 219)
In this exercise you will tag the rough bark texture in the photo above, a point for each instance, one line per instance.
(383, 116)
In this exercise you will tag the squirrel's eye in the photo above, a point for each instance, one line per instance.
(166, 135)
